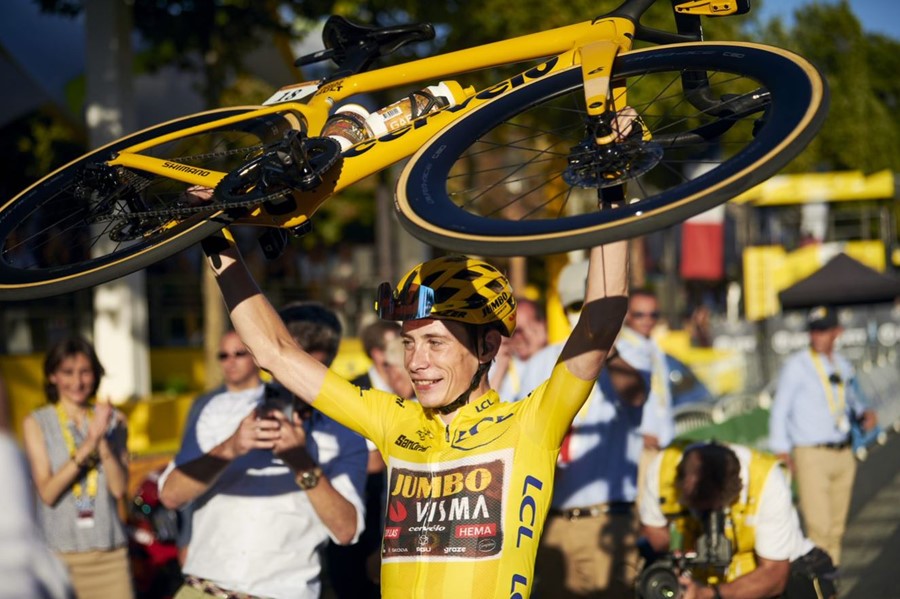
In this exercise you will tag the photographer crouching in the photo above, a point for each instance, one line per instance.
(720, 524)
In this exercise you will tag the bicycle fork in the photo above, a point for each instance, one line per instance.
(615, 146)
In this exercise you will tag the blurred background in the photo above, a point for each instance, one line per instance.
(733, 283)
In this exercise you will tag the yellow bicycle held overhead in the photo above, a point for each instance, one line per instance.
(537, 163)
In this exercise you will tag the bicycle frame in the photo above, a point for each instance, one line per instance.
(592, 44)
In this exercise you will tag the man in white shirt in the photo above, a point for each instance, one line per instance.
(268, 485)
(638, 349)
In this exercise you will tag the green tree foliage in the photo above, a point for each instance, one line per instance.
(465, 23)
(33, 145)
(209, 37)
(862, 130)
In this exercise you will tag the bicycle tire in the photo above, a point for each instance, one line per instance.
(495, 210)
(48, 230)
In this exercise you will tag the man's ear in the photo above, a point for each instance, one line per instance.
(492, 341)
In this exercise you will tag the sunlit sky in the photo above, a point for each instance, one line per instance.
(876, 16)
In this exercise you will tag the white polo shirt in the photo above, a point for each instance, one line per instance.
(255, 531)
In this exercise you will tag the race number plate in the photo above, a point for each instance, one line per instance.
(293, 93)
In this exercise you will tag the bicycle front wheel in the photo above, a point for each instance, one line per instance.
(520, 174)
(88, 223)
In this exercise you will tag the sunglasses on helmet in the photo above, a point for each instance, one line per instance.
(411, 303)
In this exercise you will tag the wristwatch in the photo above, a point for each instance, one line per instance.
(308, 479)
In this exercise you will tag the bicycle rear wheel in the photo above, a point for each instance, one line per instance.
(88, 223)
(511, 177)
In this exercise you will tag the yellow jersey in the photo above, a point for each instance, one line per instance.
(466, 501)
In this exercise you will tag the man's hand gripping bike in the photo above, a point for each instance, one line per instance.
(533, 164)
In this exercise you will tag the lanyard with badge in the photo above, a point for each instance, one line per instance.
(84, 490)
(838, 405)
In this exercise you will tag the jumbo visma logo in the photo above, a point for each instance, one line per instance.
(413, 486)
(450, 512)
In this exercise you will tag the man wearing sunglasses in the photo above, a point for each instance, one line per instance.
(640, 352)
(266, 482)
(809, 428)
(239, 373)
(240, 379)
(469, 477)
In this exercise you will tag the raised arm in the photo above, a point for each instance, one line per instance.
(605, 305)
(258, 324)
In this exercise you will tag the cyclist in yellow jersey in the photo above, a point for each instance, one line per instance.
(470, 477)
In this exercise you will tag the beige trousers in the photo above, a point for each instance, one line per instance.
(587, 557)
(100, 574)
(824, 484)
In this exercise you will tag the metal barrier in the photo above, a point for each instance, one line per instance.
(744, 417)
(690, 417)
(880, 383)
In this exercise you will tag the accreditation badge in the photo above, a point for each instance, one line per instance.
(843, 424)
(85, 519)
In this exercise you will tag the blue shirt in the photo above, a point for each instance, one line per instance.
(645, 356)
(598, 461)
(808, 407)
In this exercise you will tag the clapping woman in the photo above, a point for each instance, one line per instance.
(77, 451)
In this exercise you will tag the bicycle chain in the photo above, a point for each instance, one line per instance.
(140, 182)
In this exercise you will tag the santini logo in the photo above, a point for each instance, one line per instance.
(407, 443)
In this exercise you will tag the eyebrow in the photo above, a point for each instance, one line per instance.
(428, 336)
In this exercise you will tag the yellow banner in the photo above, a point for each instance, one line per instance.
(769, 269)
(783, 190)
(760, 286)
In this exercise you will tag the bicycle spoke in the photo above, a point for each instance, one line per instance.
(108, 224)
(518, 163)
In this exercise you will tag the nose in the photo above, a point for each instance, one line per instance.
(416, 357)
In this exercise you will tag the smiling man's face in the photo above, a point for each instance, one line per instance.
(439, 360)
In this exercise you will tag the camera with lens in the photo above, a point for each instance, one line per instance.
(708, 560)
(277, 397)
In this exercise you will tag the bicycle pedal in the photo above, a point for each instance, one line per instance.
(273, 242)
(301, 229)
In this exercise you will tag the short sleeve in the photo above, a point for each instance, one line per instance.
(369, 412)
(548, 412)
(648, 499)
(778, 531)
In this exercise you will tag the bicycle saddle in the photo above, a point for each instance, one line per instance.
(353, 47)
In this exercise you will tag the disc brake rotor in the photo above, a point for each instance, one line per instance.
(625, 150)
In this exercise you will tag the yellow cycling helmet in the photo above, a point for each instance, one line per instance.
(451, 288)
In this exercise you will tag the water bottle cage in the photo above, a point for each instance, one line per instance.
(431, 103)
